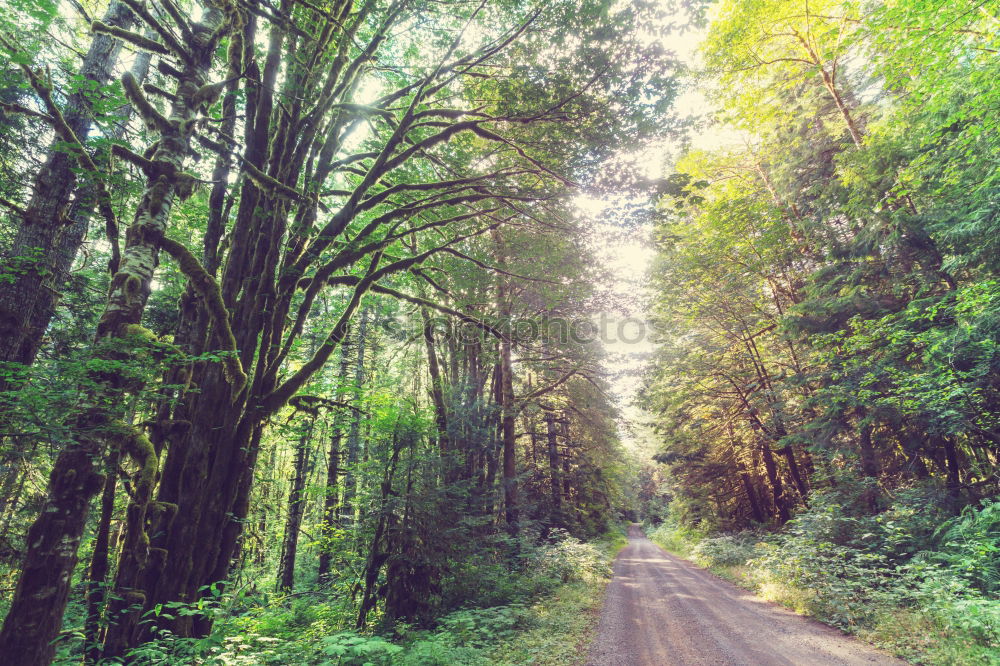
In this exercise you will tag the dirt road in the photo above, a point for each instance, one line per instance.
(663, 611)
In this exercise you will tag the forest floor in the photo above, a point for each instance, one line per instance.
(665, 611)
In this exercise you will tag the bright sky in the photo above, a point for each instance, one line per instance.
(627, 252)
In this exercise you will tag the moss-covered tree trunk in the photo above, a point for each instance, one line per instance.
(36, 609)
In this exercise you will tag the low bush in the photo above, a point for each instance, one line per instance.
(675, 538)
(727, 550)
(549, 602)
(907, 578)
(568, 559)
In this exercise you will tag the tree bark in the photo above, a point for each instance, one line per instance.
(290, 542)
(556, 518)
(48, 239)
(347, 512)
(43, 587)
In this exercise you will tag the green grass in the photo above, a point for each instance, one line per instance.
(565, 622)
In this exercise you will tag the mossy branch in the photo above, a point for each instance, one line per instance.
(13, 206)
(12, 107)
(209, 94)
(147, 166)
(154, 119)
(167, 69)
(208, 289)
(277, 398)
(157, 90)
(179, 20)
(214, 146)
(165, 35)
(133, 38)
(271, 185)
(492, 136)
(423, 302)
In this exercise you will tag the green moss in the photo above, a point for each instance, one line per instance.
(209, 290)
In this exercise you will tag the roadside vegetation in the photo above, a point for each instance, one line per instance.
(827, 390)
(911, 580)
(541, 610)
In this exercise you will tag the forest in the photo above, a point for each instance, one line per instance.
(297, 353)
(828, 278)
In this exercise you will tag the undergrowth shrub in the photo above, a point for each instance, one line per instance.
(909, 577)
(568, 559)
(478, 627)
(726, 550)
(676, 538)
(969, 547)
(541, 588)
(847, 585)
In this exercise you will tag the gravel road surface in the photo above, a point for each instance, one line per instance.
(663, 611)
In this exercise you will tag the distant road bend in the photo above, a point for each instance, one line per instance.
(663, 611)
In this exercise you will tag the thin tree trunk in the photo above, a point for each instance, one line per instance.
(332, 493)
(494, 443)
(869, 458)
(838, 99)
(437, 391)
(347, 512)
(954, 481)
(758, 514)
(869, 464)
(507, 414)
(99, 564)
(509, 438)
(774, 478)
(377, 554)
(554, 473)
(290, 542)
(566, 461)
(793, 468)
